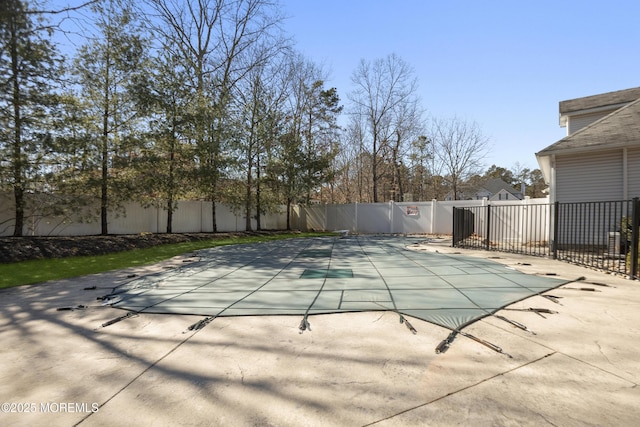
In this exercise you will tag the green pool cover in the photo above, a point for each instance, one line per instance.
(332, 275)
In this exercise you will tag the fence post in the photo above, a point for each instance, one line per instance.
(635, 225)
(434, 208)
(356, 228)
(554, 225)
(453, 227)
(488, 231)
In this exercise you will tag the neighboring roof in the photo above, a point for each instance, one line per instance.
(620, 128)
(602, 100)
(494, 186)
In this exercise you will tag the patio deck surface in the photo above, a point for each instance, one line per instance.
(352, 368)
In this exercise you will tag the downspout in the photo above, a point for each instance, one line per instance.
(553, 219)
(552, 184)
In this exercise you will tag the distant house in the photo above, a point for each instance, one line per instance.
(492, 189)
(599, 159)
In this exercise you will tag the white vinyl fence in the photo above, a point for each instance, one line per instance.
(435, 217)
(189, 217)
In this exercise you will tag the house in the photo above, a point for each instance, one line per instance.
(492, 189)
(599, 159)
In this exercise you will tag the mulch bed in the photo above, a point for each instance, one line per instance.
(14, 249)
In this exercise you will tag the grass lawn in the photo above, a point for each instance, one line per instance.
(42, 270)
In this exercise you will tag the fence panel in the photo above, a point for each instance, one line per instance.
(598, 234)
(134, 220)
(411, 218)
(373, 218)
(519, 228)
(188, 218)
(341, 217)
(602, 235)
(314, 217)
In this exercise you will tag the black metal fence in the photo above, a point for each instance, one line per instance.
(602, 235)
(514, 228)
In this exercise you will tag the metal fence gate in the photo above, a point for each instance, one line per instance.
(602, 235)
(508, 228)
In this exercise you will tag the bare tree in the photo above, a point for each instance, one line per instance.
(216, 40)
(460, 148)
(353, 164)
(383, 89)
(532, 180)
(520, 176)
(419, 156)
(407, 128)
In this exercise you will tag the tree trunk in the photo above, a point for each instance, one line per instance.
(374, 170)
(104, 194)
(172, 161)
(104, 191)
(247, 212)
(258, 222)
(18, 169)
(18, 194)
(169, 214)
(214, 222)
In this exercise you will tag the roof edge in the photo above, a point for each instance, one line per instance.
(549, 148)
(606, 99)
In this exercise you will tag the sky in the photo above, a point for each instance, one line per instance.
(503, 64)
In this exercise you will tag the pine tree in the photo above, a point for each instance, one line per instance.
(106, 68)
(29, 66)
(166, 162)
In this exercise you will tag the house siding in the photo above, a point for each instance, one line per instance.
(633, 172)
(589, 177)
(575, 123)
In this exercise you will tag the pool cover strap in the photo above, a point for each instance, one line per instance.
(537, 311)
(118, 319)
(444, 345)
(514, 323)
(201, 323)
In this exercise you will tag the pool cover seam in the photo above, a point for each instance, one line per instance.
(395, 307)
(324, 281)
